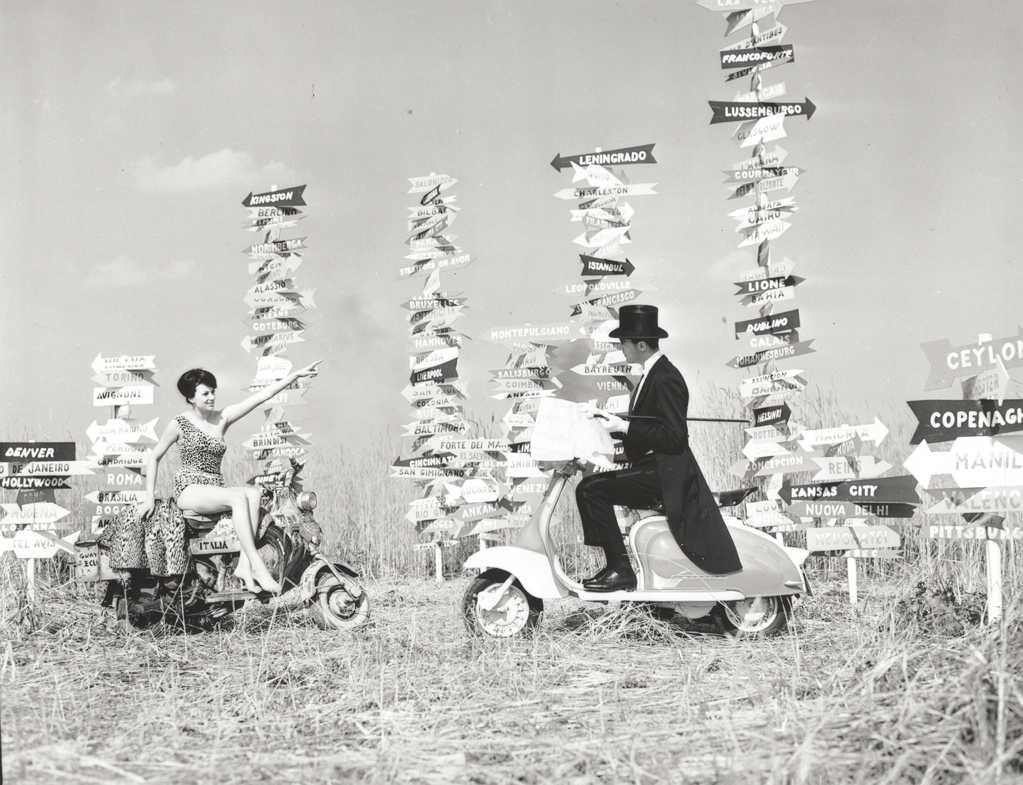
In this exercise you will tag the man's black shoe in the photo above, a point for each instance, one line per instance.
(598, 577)
(613, 580)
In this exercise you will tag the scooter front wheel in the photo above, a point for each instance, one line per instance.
(754, 615)
(492, 608)
(337, 606)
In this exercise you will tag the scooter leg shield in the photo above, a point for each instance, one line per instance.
(533, 570)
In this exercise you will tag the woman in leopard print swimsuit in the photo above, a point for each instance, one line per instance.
(199, 484)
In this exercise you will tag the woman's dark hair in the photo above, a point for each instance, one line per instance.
(191, 379)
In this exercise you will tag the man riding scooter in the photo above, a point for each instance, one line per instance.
(663, 468)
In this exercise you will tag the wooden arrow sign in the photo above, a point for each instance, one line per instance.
(739, 111)
(622, 156)
(890, 490)
(839, 538)
(945, 420)
(282, 197)
(973, 462)
(873, 432)
(949, 362)
(124, 362)
(744, 58)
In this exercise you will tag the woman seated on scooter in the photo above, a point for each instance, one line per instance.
(199, 484)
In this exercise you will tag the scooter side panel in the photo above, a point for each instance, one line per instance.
(766, 567)
(533, 570)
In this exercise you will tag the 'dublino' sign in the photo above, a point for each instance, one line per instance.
(978, 479)
(276, 321)
(436, 461)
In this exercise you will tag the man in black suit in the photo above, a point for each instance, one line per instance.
(663, 469)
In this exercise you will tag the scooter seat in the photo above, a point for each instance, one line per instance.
(203, 524)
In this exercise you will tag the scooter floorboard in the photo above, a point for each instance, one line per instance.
(660, 595)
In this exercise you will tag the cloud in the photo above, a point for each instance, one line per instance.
(133, 87)
(222, 169)
(126, 272)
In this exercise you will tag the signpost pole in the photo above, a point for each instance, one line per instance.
(850, 564)
(30, 580)
(993, 568)
(438, 562)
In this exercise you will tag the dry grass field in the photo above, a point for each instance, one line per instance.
(910, 691)
(908, 687)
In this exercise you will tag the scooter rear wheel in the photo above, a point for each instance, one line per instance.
(516, 612)
(754, 615)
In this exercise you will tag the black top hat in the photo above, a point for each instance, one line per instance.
(637, 321)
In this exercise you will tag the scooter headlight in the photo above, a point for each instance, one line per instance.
(306, 501)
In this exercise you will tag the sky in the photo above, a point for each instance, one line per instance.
(131, 132)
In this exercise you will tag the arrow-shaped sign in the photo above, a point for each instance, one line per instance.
(840, 538)
(124, 362)
(848, 467)
(767, 6)
(990, 384)
(945, 420)
(973, 462)
(641, 154)
(744, 58)
(882, 490)
(769, 325)
(282, 197)
(874, 432)
(39, 514)
(985, 500)
(630, 189)
(949, 362)
(739, 111)
(594, 265)
(783, 352)
(775, 383)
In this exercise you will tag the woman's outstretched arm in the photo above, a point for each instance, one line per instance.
(236, 411)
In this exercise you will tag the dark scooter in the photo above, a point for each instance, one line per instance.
(205, 594)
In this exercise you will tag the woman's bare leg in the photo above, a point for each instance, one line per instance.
(208, 499)
(244, 569)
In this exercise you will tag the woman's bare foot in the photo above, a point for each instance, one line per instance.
(244, 572)
(265, 579)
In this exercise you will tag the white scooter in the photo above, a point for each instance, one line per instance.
(507, 597)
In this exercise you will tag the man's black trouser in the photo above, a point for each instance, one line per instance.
(597, 495)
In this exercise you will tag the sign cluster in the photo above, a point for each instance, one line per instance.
(35, 470)
(121, 445)
(980, 474)
(846, 486)
(452, 484)
(275, 319)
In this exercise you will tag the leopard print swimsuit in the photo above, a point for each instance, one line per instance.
(201, 455)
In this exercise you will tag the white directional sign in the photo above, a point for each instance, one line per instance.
(125, 362)
(766, 129)
(28, 544)
(995, 499)
(973, 462)
(40, 514)
(116, 396)
(46, 469)
(843, 467)
(839, 538)
(874, 432)
(116, 430)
